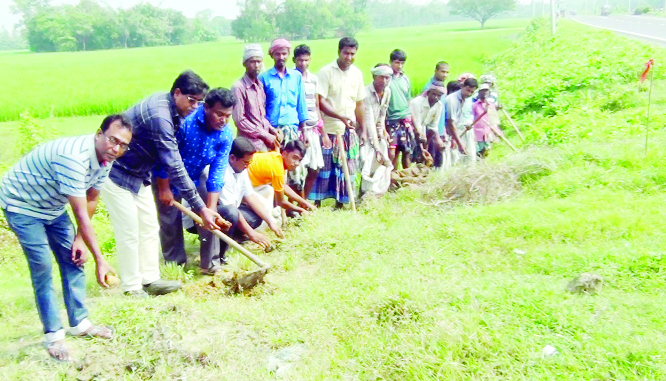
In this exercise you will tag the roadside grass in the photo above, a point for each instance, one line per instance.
(405, 290)
(103, 82)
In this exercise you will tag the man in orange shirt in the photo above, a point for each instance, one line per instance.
(268, 169)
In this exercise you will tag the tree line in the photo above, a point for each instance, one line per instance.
(261, 20)
(89, 25)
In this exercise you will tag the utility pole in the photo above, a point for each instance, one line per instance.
(629, 6)
(534, 9)
(553, 17)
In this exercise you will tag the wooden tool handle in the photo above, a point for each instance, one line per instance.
(345, 170)
(223, 236)
(506, 114)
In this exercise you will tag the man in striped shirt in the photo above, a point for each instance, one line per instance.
(33, 196)
(128, 197)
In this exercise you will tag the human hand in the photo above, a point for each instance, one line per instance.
(101, 270)
(212, 220)
(348, 123)
(440, 143)
(259, 239)
(326, 141)
(270, 140)
(166, 196)
(276, 229)
(79, 251)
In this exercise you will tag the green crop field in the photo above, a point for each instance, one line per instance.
(102, 82)
(464, 278)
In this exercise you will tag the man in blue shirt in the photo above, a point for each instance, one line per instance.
(286, 109)
(204, 139)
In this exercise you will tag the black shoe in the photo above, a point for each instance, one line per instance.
(162, 287)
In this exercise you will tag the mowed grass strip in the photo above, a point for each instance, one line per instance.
(102, 82)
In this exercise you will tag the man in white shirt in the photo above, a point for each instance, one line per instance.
(426, 110)
(240, 205)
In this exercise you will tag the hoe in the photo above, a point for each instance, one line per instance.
(246, 281)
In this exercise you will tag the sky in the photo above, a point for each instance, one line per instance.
(226, 8)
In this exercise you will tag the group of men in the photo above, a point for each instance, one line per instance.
(294, 130)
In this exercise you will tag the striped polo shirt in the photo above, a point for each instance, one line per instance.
(38, 185)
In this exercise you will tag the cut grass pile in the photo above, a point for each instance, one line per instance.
(402, 290)
(103, 82)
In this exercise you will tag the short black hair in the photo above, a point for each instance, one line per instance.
(242, 147)
(293, 146)
(347, 42)
(220, 95)
(452, 87)
(440, 64)
(398, 55)
(189, 83)
(471, 82)
(125, 122)
(302, 49)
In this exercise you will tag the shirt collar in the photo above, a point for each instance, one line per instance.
(175, 116)
(94, 162)
(248, 82)
(273, 71)
(200, 117)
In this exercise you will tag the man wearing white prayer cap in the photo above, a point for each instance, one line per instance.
(376, 166)
(250, 111)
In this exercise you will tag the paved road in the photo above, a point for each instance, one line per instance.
(645, 28)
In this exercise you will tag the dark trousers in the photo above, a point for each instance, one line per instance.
(215, 248)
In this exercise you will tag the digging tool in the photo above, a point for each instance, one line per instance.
(503, 138)
(248, 280)
(474, 122)
(514, 125)
(345, 169)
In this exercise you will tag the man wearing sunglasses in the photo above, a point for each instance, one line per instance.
(128, 197)
(33, 196)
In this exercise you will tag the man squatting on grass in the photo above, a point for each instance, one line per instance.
(267, 172)
(240, 204)
(341, 93)
(204, 140)
(127, 195)
(33, 196)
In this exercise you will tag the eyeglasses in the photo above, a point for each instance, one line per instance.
(117, 143)
(195, 101)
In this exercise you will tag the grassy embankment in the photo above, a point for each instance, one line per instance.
(404, 290)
